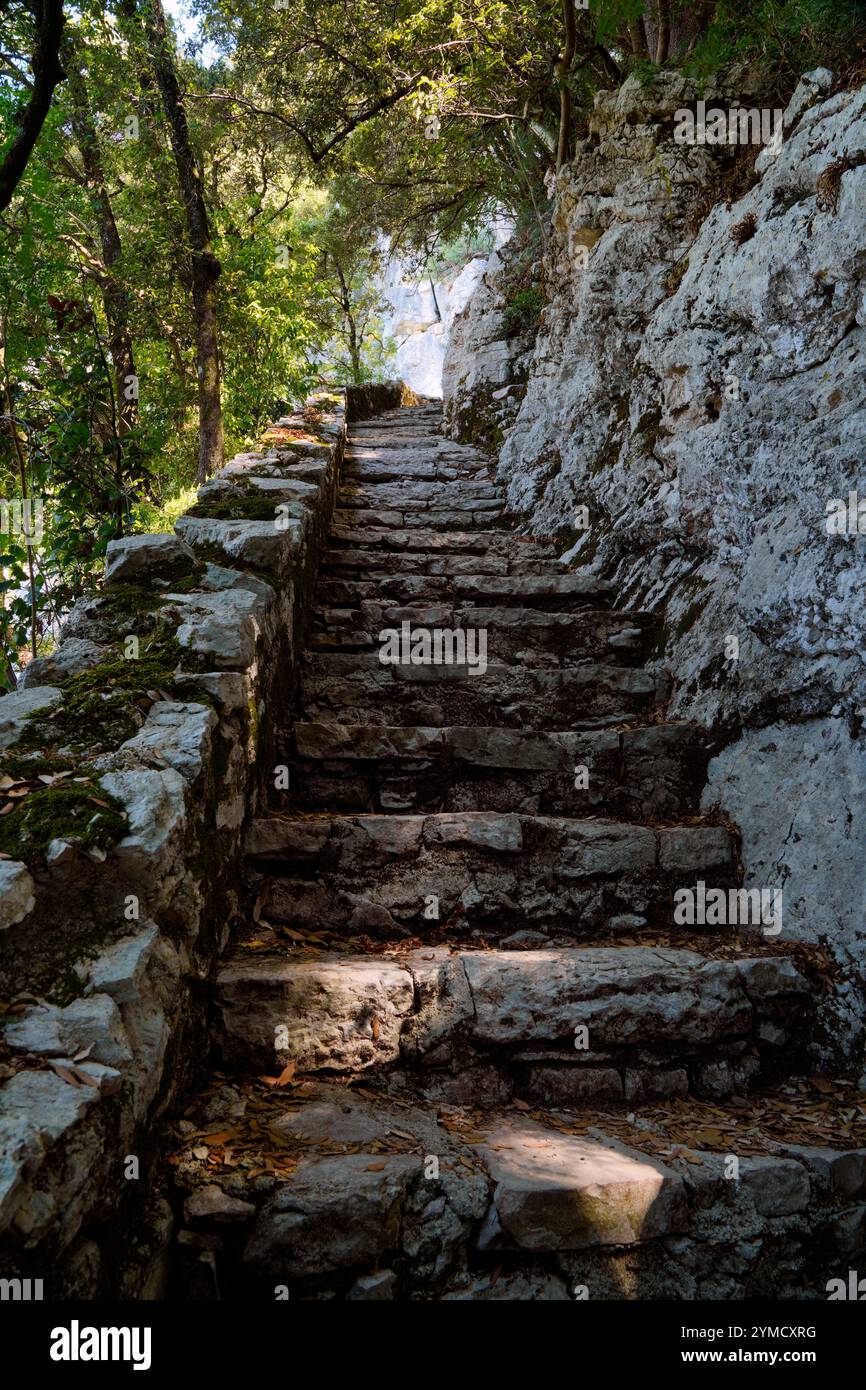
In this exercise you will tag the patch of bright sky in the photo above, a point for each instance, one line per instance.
(188, 27)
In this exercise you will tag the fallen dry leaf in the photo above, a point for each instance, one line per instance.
(65, 1074)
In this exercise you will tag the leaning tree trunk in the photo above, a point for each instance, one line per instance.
(204, 266)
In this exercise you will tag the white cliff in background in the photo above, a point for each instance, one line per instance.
(422, 312)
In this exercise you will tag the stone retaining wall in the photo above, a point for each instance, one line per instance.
(139, 749)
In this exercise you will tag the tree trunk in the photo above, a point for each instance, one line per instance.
(351, 329)
(563, 68)
(663, 30)
(30, 118)
(114, 296)
(205, 268)
(637, 34)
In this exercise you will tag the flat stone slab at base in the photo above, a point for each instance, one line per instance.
(340, 1193)
(564, 1192)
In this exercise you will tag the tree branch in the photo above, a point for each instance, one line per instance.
(318, 153)
(30, 118)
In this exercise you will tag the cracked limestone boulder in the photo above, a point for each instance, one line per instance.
(221, 630)
(335, 1213)
(150, 857)
(566, 1192)
(52, 1137)
(142, 975)
(174, 735)
(263, 544)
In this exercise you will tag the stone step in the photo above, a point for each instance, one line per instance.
(370, 469)
(392, 422)
(406, 418)
(546, 591)
(420, 438)
(636, 774)
(525, 635)
(421, 493)
(424, 538)
(356, 1195)
(352, 518)
(558, 1026)
(492, 562)
(358, 688)
(396, 462)
(485, 872)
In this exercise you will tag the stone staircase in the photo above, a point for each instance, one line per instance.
(460, 949)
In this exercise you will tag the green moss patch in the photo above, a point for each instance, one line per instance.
(106, 704)
(190, 581)
(242, 507)
(80, 812)
(29, 765)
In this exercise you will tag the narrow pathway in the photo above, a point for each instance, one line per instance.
(460, 959)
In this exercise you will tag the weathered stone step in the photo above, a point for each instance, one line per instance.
(352, 518)
(421, 492)
(420, 511)
(423, 538)
(554, 1027)
(526, 635)
(371, 471)
(421, 438)
(427, 418)
(393, 876)
(420, 420)
(546, 591)
(370, 1197)
(409, 451)
(491, 520)
(637, 774)
(358, 689)
(493, 561)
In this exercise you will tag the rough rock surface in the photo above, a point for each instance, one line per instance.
(486, 365)
(382, 1200)
(516, 1015)
(697, 385)
(17, 892)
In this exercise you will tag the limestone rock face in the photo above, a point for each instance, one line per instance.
(485, 363)
(69, 659)
(697, 386)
